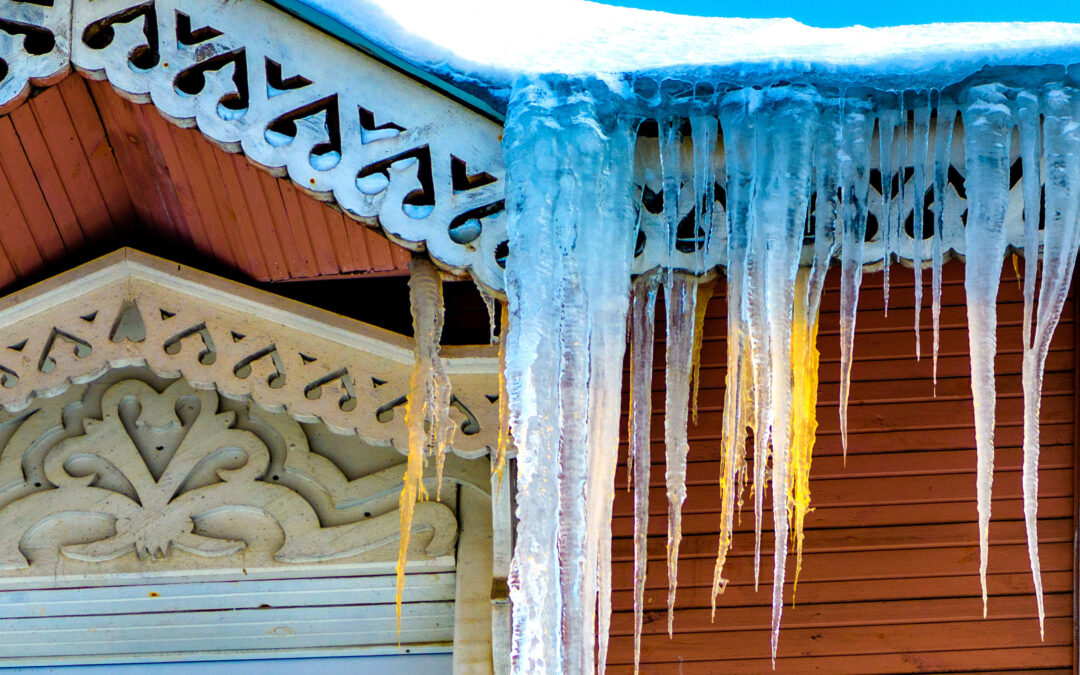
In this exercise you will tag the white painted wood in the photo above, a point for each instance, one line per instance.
(165, 597)
(245, 343)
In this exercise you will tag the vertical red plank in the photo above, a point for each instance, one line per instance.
(160, 135)
(361, 256)
(28, 194)
(401, 256)
(67, 154)
(18, 242)
(98, 152)
(297, 249)
(203, 197)
(142, 167)
(276, 262)
(313, 228)
(48, 178)
(245, 228)
(245, 254)
(338, 236)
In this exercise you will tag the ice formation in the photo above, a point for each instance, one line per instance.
(427, 410)
(778, 180)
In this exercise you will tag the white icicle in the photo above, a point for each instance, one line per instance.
(642, 327)
(739, 114)
(782, 185)
(569, 208)
(887, 121)
(1061, 237)
(680, 300)
(857, 127)
(987, 122)
(920, 140)
(942, 154)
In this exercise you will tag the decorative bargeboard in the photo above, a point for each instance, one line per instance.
(133, 309)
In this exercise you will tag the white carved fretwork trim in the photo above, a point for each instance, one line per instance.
(129, 308)
(346, 128)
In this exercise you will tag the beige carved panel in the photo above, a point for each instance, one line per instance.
(137, 474)
(132, 309)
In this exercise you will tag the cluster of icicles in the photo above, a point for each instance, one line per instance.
(797, 161)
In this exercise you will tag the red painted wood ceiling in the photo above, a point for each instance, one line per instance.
(84, 171)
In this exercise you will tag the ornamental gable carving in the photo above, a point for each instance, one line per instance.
(134, 473)
(132, 309)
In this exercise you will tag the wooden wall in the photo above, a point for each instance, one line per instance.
(890, 575)
(83, 172)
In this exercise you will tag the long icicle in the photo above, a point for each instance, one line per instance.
(680, 301)
(781, 212)
(805, 353)
(887, 121)
(943, 132)
(739, 405)
(609, 297)
(427, 410)
(920, 141)
(987, 125)
(1061, 240)
(1028, 113)
(857, 127)
(642, 338)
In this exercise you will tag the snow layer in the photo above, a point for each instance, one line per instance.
(486, 44)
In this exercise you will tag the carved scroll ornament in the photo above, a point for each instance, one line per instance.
(119, 475)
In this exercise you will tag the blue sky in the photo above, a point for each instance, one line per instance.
(835, 13)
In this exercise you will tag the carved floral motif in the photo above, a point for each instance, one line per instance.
(156, 473)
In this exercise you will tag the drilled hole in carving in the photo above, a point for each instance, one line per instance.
(501, 252)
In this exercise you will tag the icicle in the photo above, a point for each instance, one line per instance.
(739, 404)
(887, 121)
(427, 411)
(569, 205)
(704, 294)
(680, 300)
(804, 358)
(854, 157)
(809, 287)
(1061, 237)
(504, 403)
(920, 142)
(987, 123)
(942, 157)
(739, 113)
(641, 365)
(489, 305)
(703, 132)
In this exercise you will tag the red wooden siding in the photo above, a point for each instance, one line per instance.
(890, 573)
(84, 171)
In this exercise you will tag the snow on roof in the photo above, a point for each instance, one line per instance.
(486, 44)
